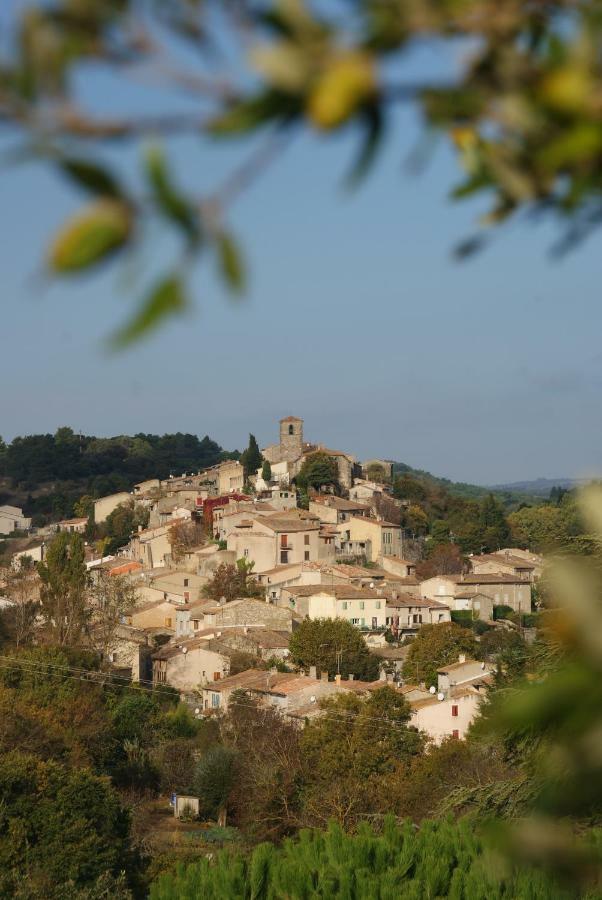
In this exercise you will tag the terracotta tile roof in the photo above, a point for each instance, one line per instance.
(342, 591)
(340, 503)
(481, 579)
(381, 522)
(275, 523)
(518, 562)
(459, 665)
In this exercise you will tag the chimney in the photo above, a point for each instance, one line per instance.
(462, 658)
(323, 676)
(351, 676)
(337, 679)
(313, 672)
(139, 528)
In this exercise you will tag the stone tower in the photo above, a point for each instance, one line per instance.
(291, 438)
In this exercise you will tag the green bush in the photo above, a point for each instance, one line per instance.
(502, 612)
(462, 617)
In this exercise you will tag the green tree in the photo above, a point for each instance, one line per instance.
(542, 528)
(435, 646)
(266, 471)
(214, 780)
(251, 459)
(377, 739)
(442, 559)
(61, 830)
(121, 524)
(232, 582)
(333, 645)
(63, 593)
(318, 470)
(495, 531)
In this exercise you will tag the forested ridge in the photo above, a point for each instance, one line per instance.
(46, 474)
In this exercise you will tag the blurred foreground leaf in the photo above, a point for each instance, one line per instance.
(91, 236)
(167, 298)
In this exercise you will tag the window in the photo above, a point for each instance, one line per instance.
(185, 582)
(306, 555)
(284, 540)
(165, 595)
(246, 551)
(186, 596)
(362, 623)
(195, 624)
(362, 604)
(284, 557)
(377, 604)
(306, 540)
(217, 676)
(456, 734)
(168, 622)
(344, 604)
(291, 429)
(355, 621)
(417, 619)
(454, 711)
(214, 700)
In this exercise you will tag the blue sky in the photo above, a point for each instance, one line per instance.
(357, 319)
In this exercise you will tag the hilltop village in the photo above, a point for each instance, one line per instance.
(221, 570)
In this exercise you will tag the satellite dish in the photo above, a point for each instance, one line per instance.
(184, 649)
(371, 584)
(432, 689)
(197, 711)
(482, 665)
(312, 699)
(440, 696)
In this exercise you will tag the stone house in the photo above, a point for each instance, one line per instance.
(157, 613)
(504, 590)
(333, 510)
(379, 537)
(362, 607)
(243, 612)
(151, 546)
(406, 614)
(72, 526)
(274, 540)
(189, 665)
(396, 565)
(12, 519)
(504, 562)
(480, 605)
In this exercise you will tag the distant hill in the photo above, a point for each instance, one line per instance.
(539, 487)
(510, 495)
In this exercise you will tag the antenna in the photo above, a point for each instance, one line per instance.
(432, 689)
(440, 696)
(184, 649)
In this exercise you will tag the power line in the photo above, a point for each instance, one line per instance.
(33, 667)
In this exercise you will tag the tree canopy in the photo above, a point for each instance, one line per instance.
(333, 645)
(435, 646)
(318, 470)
